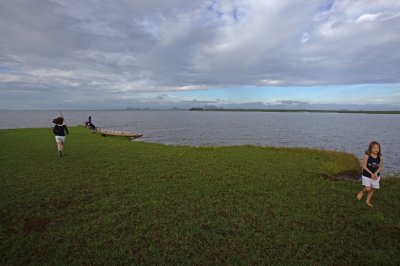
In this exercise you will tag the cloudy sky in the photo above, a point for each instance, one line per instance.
(69, 54)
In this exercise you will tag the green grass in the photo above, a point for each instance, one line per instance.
(111, 201)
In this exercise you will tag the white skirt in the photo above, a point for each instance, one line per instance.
(60, 139)
(369, 182)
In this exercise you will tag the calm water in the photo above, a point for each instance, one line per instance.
(329, 131)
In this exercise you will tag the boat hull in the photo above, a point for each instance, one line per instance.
(109, 132)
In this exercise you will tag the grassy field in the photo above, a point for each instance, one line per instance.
(112, 201)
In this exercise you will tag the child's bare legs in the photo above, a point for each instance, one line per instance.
(370, 191)
(369, 196)
(60, 147)
(360, 194)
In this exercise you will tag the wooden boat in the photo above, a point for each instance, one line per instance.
(109, 132)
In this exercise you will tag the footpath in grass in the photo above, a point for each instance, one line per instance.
(112, 201)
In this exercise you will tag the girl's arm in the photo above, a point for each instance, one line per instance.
(380, 167)
(364, 164)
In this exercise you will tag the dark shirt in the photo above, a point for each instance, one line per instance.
(372, 165)
(60, 130)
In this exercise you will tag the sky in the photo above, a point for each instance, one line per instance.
(289, 54)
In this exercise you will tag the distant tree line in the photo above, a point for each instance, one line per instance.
(293, 110)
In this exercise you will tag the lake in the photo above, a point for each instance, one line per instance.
(329, 131)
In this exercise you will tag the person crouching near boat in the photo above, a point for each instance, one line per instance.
(89, 124)
(59, 131)
(371, 166)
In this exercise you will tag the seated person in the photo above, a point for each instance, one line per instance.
(89, 124)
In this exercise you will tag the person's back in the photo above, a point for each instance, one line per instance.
(89, 121)
(60, 130)
(89, 124)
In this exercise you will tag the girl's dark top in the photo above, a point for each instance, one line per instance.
(372, 165)
(60, 130)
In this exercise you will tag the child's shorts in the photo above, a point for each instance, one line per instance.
(369, 182)
(60, 139)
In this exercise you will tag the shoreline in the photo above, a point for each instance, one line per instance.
(215, 110)
(388, 174)
(295, 111)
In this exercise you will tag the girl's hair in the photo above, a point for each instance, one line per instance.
(371, 145)
(59, 120)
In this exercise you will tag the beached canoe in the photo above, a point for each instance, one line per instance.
(109, 132)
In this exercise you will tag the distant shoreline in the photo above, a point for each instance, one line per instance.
(212, 109)
(295, 111)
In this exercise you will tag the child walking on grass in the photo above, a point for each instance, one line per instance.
(371, 174)
(59, 130)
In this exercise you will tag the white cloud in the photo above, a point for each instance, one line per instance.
(77, 48)
(5, 78)
(368, 18)
(51, 73)
(271, 82)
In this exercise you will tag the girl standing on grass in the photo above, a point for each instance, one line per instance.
(371, 174)
(59, 130)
